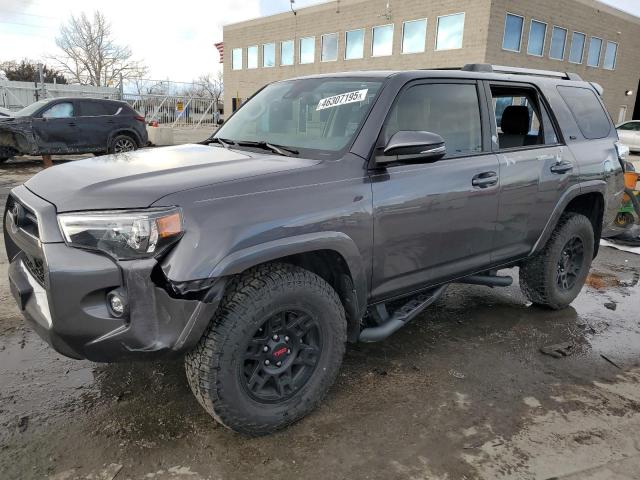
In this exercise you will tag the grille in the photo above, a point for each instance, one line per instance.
(35, 267)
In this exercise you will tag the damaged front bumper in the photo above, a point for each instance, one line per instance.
(17, 138)
(62, 292)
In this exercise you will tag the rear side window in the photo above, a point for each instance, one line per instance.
(97, 109)
(450, 110)
(587, 111)
(633, 126)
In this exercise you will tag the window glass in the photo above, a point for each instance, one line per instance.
(450, 31)
(576, 55)
(236, 59)
(329, 47)
(537, 32)
(269, 55)
(96, 109)
(382, 41)
(558, 41)
(587, 111)
(318, 116)
(354, 44)
(414, 35)
(610, 56)
(59, 110)
(307, 50)
(633, 126)
(595, 46)
(450, 110)
(512, 32)
(286, 53)
(252, 57)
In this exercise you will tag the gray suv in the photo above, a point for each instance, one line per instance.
(328, 209)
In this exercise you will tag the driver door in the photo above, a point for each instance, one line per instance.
(56, 129)
(435, 220)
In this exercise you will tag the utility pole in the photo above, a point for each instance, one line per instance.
(41, 77)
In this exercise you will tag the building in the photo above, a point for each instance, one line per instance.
(587, 37)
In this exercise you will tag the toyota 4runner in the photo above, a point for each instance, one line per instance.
(328, 209)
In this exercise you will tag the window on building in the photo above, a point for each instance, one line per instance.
(512, 36)
(450, 110)
(537, 32)
(329, 52)
(236, 59)
(286, 53)
(307, 50)
(252, 57)
(558, 43)
(576, 54)
(587, 111)
(450, 30)
(354, 44)
(382, 42)
(414, 34)
(610, 55)
(595, 47)
(269, 55)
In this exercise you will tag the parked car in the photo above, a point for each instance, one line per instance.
(5, 112)
(629, 133)
(327, 209)
(72, 125)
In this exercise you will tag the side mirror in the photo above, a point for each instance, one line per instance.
(409, 145)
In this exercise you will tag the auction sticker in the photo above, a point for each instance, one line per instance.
(342, 99)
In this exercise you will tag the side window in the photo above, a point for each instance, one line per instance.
(96, 109)
(587, 111)
(450, 110)
(521, 120)
(633, 126)
(59, 110)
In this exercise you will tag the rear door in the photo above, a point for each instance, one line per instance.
(56, 128)
(535, 167)
(96, 121)
(434, 220)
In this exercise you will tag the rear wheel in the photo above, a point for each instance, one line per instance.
(272, 351)
(555, 276)
(122, 144)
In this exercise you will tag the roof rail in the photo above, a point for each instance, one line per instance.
(486, 68)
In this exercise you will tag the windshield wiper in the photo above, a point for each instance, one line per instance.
(279, 149)
(222, 141)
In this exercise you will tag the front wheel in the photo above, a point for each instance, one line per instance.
(272, 351)
(555, 276)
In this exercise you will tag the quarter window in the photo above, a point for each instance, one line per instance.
(354, 44)
(382, 41)
(450, 110)
(558, 42)
(414, 34)
(610, 56)
(537, 32)
(512, 37)
(450, 31)
(587, 111)
(307, 50)
(576, 54)
(595, 46)
(329, 51)
(286, 53)
(269, 55)
(252, 57)
(236, 59)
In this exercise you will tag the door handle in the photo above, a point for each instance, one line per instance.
(485, 179)
(71, 124)
(562, 167)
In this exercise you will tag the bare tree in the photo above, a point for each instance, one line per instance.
(91, 57)
(208, 86)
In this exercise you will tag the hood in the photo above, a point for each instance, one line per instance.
(137, 179)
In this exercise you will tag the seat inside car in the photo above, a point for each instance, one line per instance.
(515, 127)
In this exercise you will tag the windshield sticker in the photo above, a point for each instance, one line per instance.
(342, 99)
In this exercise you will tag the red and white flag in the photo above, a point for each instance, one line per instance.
(220, 47)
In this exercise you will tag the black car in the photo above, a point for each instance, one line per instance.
(71, 126)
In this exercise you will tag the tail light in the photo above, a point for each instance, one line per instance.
(140, 118)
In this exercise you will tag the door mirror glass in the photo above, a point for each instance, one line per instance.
(413, 145)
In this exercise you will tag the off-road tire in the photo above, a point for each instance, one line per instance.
(538, 275)
(212, 367)
(121, 139)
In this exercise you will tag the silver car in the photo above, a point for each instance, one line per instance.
(629, 133)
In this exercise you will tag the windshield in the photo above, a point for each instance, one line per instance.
(316, 116)
(30, 109)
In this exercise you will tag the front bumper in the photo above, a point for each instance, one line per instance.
(66, 299)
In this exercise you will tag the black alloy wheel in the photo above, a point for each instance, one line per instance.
(570, 263)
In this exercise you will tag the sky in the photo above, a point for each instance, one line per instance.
(175, 39)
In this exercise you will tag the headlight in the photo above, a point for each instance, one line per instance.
(123, 234)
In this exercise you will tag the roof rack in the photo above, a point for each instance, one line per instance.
(486, 68)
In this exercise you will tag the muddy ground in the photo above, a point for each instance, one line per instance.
(462, 392)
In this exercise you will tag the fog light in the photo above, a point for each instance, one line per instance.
(117, 303)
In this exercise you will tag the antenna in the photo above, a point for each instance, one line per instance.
(291, 5)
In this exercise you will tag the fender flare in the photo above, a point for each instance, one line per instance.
(241, 260)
